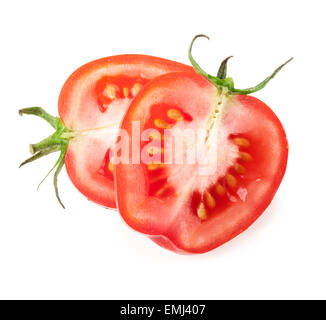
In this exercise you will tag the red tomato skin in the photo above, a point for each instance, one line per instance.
(95, 187)
(170, 239)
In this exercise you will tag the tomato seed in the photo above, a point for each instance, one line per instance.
(220, 190)
(125, 91)
(110, 91)
(135, 89)
(201, 212)
(242, 142)
(110, 166)
(175, 115)
(160, 123)
(155, 166)
(231, 180)
(245, 156)
(209, 200)
(239, 168)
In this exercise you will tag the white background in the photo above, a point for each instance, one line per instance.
(87, 251)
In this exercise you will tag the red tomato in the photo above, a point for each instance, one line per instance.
(178, 205)
(91, 105)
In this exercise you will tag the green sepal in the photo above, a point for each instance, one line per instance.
(221, 74)
(228, 83)
(40, 154)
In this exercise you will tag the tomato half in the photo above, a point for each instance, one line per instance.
(196, 206)
(91, 105)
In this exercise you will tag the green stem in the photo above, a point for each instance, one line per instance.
(221, 81)
(58, 141)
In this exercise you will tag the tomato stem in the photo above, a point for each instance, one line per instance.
(58, 141)
(221, 81)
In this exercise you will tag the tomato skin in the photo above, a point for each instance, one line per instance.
(79, 110)
(182, 232)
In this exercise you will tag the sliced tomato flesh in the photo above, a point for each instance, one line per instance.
(92, 103)
(240, 157)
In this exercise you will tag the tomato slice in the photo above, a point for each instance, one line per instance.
(92, 103)
(195, 206)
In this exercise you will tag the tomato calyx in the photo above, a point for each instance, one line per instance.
(58, 141)
(221, 81)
